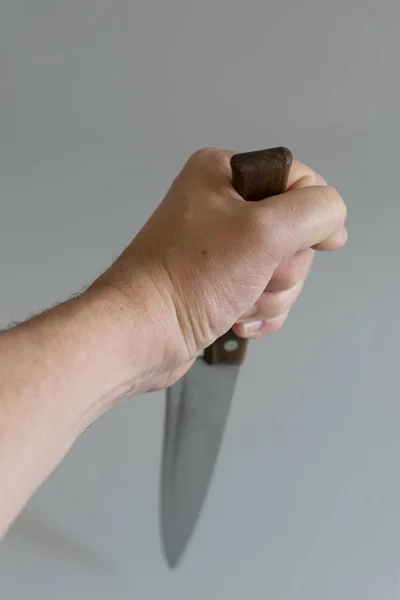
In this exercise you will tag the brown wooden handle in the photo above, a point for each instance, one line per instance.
(255, 176)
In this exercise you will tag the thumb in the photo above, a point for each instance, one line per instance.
(310, 217)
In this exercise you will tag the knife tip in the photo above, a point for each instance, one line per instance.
(172, 562)
(172, 558)
(174, 542)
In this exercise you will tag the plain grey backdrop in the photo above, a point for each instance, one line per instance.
(101, 102)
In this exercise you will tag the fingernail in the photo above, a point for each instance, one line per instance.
(252, 311)
(253, 326)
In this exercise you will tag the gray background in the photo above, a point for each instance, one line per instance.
(101, 102)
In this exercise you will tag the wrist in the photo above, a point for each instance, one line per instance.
(144, 319)
(113, 337)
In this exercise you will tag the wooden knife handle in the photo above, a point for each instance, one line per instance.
(255, 176)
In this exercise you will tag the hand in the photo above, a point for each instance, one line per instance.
(272, 309)
(207, 260)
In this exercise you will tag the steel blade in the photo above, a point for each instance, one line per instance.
(197, 410)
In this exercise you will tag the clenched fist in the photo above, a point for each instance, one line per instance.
(207, 260)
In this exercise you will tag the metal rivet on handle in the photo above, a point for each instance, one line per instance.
(231, 345)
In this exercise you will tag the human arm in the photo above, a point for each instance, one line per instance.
(201, 262)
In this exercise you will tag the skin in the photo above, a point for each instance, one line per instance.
(204, 262)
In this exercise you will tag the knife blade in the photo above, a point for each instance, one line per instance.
(197, 406)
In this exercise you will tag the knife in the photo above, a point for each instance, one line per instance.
(197, 406)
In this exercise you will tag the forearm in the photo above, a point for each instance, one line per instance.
(58, 372)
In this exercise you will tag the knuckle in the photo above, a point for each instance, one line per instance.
(213, 160)
(288, 278)
(280, 303)
(307, 177)
(221, 157)
(331, 193)
(274, 325)
(292, 272)
(201, 156)
(336, 202)
(315, 179)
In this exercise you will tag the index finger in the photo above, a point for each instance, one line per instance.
(301, 175)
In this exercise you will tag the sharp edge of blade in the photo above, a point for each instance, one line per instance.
(175, 423)
(172, 421)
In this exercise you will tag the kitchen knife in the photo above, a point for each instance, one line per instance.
(197, 406)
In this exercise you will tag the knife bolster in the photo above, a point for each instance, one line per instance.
(229, 349)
